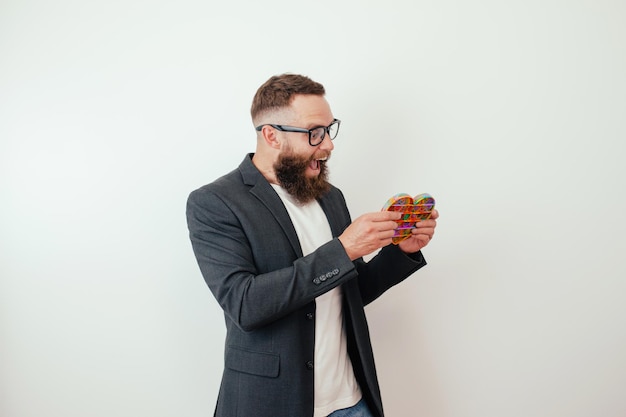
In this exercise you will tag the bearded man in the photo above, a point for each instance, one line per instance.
(277, 247)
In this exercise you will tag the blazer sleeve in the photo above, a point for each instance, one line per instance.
(227, 244)
(388, 268)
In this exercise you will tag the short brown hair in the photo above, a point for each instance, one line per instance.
(277, 92)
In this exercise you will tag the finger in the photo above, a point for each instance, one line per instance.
(382, 216)
(425, 231)
(385, 234)
(426, 223)
(387, 225)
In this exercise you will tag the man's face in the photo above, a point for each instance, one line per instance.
(301, 168)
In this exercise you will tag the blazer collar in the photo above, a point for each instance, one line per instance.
(249, 172)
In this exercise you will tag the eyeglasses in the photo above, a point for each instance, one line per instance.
(316, 135)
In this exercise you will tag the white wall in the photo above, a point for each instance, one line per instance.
(511, 113)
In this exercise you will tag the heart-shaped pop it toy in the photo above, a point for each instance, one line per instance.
(413, 209)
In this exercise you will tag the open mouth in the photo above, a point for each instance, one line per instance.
(315, 164)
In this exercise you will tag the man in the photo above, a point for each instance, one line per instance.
(276, 246)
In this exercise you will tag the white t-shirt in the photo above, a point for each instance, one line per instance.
(335, 384)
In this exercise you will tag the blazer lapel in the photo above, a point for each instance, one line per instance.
(262, 190)
(335, 223)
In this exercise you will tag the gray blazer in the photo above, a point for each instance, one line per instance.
(250, 257)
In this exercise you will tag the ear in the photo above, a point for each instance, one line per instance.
(270, 137)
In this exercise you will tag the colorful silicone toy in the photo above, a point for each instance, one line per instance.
(413, 209)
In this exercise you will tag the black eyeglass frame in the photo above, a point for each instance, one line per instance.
(284, 128)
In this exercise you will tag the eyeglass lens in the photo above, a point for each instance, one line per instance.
(317, 135)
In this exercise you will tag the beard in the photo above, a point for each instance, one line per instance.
(290, 170)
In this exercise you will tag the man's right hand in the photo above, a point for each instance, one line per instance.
(368, 233)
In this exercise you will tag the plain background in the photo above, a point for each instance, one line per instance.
(510, 113)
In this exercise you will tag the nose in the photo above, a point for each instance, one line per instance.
(326, 143)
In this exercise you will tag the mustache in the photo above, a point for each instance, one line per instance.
(320, 155)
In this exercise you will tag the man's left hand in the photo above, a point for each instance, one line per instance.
(421, 235)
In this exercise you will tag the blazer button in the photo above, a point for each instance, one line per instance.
(309, 316)
(309, 365)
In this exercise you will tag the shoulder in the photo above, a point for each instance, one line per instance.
(232, 183)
